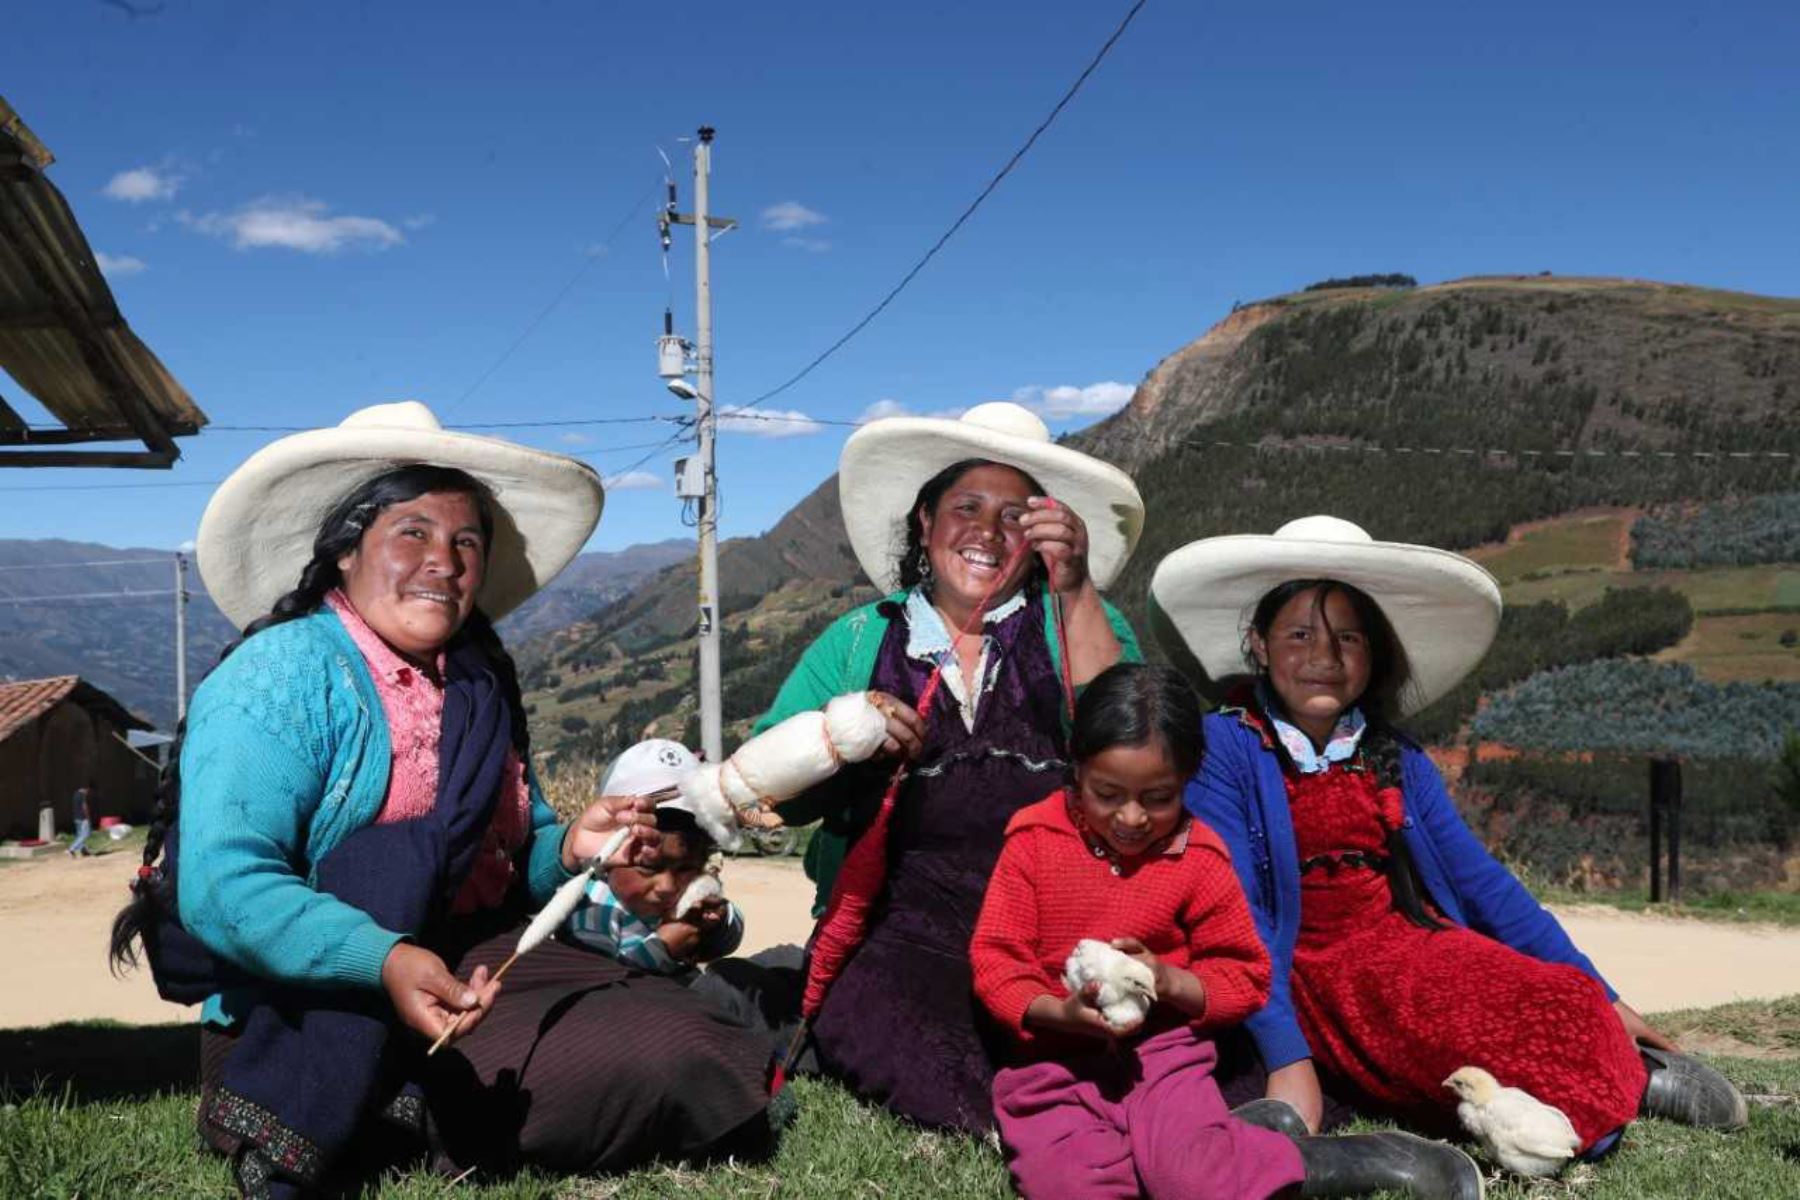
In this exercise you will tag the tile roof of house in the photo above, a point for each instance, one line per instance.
(24, 702)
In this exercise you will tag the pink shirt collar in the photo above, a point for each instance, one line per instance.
(382, 658)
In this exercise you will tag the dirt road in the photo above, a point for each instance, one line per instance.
(55, 913)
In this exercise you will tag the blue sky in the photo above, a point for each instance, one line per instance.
(308, 208)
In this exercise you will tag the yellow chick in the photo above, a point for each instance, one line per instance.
(1125, 987)
(1519, 1131)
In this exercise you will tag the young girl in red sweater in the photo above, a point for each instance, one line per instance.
(1092, 1109)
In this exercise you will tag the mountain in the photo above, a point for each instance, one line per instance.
(1444, 414)
(62, 613)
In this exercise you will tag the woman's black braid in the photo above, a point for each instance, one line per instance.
(339, 534)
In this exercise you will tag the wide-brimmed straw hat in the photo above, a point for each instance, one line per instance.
(258, 530)
(1444, 609)
(886, 462)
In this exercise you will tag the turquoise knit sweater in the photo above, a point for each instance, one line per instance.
(286, 754)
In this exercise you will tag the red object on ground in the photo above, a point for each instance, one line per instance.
(29, 843)
(108, 822)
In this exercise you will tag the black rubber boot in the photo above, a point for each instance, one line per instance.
(1278, 1115)
(1361, 1163)
(1683, 1088)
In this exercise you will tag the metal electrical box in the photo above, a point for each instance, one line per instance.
(690, 478)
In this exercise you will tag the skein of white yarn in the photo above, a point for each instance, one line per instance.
(781, 762)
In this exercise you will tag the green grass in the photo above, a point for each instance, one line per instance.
(107, 1110)
(1745, 647)
(1775, 908)
(1575, 543)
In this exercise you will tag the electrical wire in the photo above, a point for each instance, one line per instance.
(966, 213)
(159, 561)
(587, 265)
(84, 596)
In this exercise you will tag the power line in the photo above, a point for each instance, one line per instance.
(558, 424)
(84, 596)
(966, 213)
(560, 296)
(160, 561)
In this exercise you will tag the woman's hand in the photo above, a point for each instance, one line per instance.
(426, 996)
(1076, 1015)
(1640, 1030)
(589, 833)
(905, 731)
(1056, 532)
(1297, 1085)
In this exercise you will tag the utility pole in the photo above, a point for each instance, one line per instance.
(181, 602)
(712, 733)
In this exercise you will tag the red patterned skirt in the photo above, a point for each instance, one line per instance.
(1393, 1009)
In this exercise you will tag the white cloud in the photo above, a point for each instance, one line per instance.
(575, 437)
(633, 481)
(143, 183)
(886, 407)
(766, 422)
(1066, 400)
(119, 267)
(790, 215)
(810, 245)
(293, 223)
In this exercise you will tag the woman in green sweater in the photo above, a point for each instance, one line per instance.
(984, 524)
(353, 836)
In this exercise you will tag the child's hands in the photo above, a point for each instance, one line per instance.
(1159, 971)
(684, 937)
(1075, 1014)
(1174, 985)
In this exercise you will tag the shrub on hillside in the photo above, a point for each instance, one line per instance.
(1642, 707)
(1536, 637)
(1391, 280)
(1736, 532)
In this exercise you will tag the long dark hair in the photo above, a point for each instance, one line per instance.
(1382, 742)
(1133, 704)
(914, 557)
(339, 533)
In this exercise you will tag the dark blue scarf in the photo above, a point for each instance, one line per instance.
(311, 1063)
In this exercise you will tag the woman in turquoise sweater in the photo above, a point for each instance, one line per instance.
(353, 835)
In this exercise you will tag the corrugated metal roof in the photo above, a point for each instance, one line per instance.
(24, 702)
(62, 337)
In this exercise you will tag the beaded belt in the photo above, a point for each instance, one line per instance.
(1344, 860)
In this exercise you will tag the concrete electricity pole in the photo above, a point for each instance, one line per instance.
(181, 602)
(712, 735)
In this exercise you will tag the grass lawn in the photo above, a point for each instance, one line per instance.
(1746, 647)
(1584, 543)
(111, 1114)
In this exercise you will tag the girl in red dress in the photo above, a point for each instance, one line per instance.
(1402, 950)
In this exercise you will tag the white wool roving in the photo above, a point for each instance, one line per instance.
(1127, 987)
(704, 887)
(780, 763)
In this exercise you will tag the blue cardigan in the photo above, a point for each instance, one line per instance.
(1240, 792)
(287, 753)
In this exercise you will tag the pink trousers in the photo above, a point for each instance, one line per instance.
(1142, 1120)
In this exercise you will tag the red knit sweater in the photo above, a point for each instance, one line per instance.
(1049, 890)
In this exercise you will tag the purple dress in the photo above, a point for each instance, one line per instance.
(901, 1025)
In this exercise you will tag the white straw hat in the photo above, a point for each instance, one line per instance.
(1444, 609)
(886, 462)
(258, 530)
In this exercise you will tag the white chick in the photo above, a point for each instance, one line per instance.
(704, 887)
(1126, 986)
(1519, 1131)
